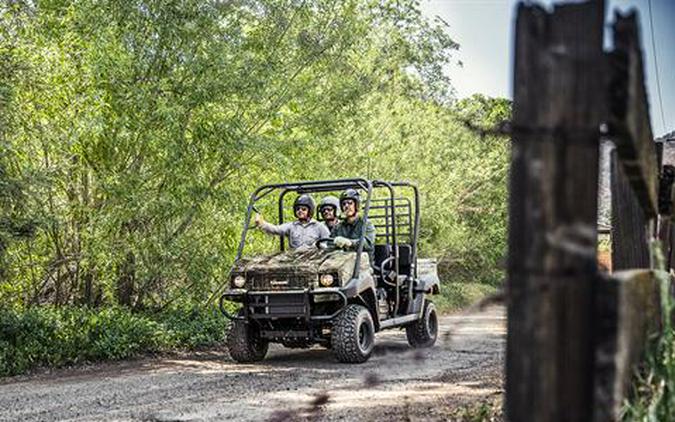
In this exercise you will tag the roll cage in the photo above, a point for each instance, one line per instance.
(390, 220)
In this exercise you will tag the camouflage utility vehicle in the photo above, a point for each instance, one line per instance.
(331, 297)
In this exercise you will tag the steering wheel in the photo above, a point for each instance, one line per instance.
(326, 244)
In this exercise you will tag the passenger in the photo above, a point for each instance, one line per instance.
(348, 232)
(328, 208)
(304, 232)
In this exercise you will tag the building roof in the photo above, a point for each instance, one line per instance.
(668, 137)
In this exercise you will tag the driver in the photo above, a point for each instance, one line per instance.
(304, 232)
(348, 231)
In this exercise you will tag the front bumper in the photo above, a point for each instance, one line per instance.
(296, 304)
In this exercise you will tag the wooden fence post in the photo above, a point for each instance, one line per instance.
(628, 302)
(575, 336)
(558, 103)
(629, 124)
(628, 312)
(636, 177)
(630, 247)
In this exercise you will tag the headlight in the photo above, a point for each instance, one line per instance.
(326, 280)
(239, 281)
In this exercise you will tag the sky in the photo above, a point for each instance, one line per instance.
(484, 31)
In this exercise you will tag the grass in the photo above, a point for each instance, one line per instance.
(485, 410)
(457, 296)
(653, 397)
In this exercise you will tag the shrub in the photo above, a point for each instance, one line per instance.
(51, 336)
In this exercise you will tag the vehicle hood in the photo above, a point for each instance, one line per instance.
(304, 262)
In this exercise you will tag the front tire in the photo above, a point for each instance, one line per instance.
(424, 331)
(353, 335)
(244, 342)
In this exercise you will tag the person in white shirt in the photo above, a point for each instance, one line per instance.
(304, 232)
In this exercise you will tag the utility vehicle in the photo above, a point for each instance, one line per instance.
(331, 297)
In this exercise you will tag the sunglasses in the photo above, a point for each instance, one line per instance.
(347, 202)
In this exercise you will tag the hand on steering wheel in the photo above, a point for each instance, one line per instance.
(325, 243)
(343, 242)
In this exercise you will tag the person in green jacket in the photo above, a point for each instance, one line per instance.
(347, 233)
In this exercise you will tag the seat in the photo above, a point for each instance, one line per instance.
(405, 259)
(380, 253)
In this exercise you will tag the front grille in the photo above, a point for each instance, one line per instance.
(278, 305)
(280, 280)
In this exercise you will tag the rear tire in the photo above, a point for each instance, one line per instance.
(353, 335)
(424, 331)
(244, 342)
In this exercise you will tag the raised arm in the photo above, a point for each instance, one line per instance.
(281, 229)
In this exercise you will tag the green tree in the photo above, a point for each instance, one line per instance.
(132, 133)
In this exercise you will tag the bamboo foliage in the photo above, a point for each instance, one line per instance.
(131, 133)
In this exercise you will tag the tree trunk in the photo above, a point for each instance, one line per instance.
(126, 280)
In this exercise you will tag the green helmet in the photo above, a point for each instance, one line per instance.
(305, 200)
(352, 194)
(329, 201)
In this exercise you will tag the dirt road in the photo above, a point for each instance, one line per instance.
(395, 384)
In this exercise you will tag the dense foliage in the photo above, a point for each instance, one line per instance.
(131, 133)
(51, 336)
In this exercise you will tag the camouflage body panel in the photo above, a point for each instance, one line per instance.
(299, 268)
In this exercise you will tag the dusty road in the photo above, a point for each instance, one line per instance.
(395, 384)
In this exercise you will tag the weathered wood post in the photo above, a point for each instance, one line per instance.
(558, 103)
(635, 180)
(627, 302)
(630, 242)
